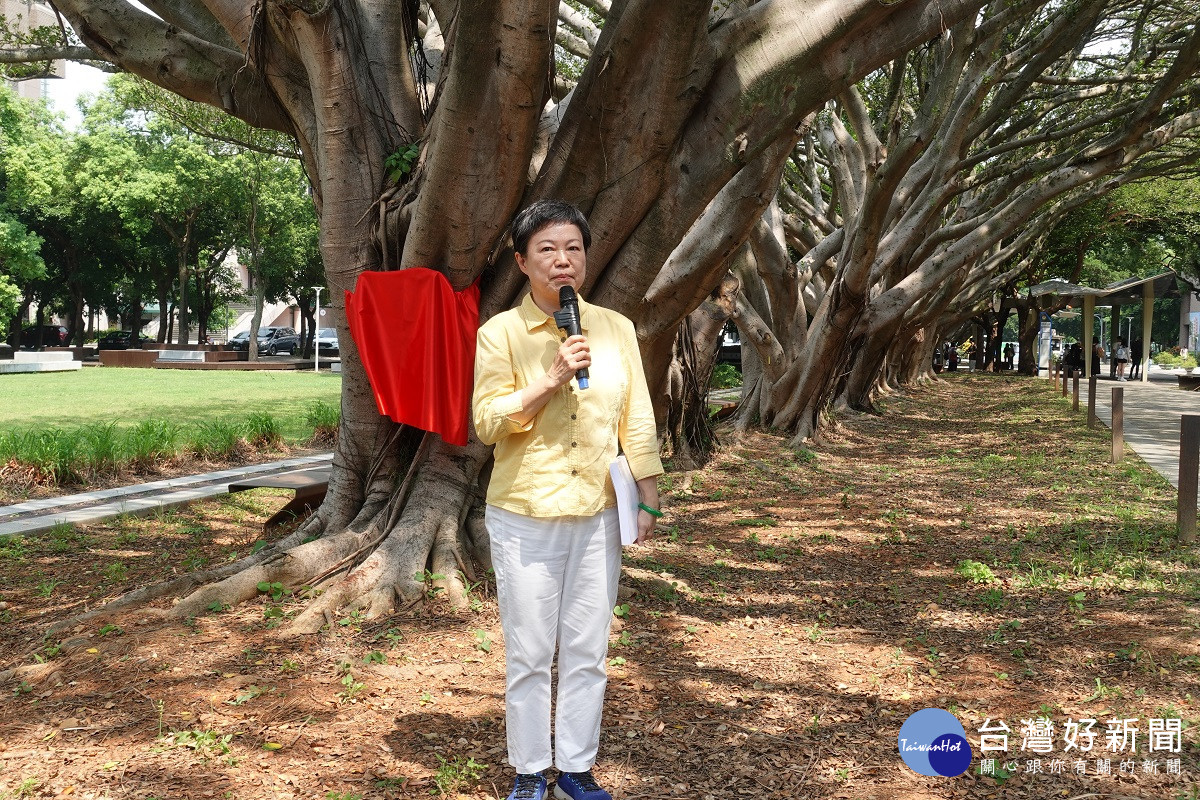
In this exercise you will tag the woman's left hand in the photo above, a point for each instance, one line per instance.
(646, 523)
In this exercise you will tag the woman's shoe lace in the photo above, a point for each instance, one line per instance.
(527, 785)
(586, 781)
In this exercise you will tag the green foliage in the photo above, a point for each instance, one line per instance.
(116, 572)
(216, 439)
(206, 744)
(275, 590)
(975, 571)
(323, 417)
(262, 430)
(400, 163)
(1168, 359)
(725, 376)
(456, 772)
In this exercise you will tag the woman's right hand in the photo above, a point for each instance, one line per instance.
(572, 356)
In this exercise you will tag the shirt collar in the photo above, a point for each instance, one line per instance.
(534, 317)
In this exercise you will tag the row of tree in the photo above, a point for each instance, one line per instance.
(137, 206)
(846, 182)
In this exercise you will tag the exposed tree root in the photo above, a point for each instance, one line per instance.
(402, 542)
(141, 598)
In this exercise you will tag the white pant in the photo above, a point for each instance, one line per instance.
(556, 581)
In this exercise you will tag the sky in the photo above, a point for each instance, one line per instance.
(64, 92)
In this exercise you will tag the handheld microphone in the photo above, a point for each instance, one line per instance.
(567, 318)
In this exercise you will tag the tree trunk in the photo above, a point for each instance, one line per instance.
(184, 282)
(164, 314)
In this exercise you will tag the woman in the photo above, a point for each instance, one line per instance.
(551, 516)
(1121, 354)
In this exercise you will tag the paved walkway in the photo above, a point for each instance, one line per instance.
(1152, 412)
(39, 515)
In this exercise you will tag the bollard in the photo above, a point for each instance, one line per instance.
(1064, 373)
(1075, 393)
(1091, 402)
(1189, 474)
(1118, 424)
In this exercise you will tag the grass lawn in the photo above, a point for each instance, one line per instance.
(126, 397)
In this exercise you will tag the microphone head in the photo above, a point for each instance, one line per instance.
(566, 296)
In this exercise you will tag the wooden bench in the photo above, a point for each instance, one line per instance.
(1189, 382)
(310, 486)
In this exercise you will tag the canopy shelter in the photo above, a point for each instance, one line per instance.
(1114, 295)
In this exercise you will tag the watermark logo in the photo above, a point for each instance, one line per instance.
(932, 742)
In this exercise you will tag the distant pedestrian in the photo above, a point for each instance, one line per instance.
(1097, 357)
(1073, 360)
(1135, 359)
(1009, 353)
(1121, 356)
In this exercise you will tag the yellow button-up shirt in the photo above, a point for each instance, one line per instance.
(556, 465)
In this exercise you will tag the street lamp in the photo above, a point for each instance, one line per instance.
(317, 332)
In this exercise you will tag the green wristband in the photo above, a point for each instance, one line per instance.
(654, 512)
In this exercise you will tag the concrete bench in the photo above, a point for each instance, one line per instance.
(310, 486)
(40, 361)
(181, 355)
(30, 356)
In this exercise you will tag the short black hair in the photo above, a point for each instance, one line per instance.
(542, 214)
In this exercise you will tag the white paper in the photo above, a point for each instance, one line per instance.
(627, 499)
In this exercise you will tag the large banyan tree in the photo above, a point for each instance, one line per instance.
(918, 195)
(669, 123)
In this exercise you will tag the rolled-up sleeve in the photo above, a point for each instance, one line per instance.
(496, 396)
(636, 430)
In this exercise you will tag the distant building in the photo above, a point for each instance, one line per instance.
(25, 15)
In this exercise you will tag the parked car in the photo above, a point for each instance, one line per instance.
(272, 340)
(121, 340)
(327, 342)
(49, 336)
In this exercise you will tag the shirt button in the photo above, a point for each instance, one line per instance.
(572, 444)
(562, 339)
(574, 472)
(572, 416)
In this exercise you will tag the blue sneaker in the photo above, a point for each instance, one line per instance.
(529, 787)
(579, 786)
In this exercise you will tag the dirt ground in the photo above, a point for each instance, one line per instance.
(970, 550)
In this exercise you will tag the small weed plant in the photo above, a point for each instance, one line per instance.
(975, 571)
(454, 773)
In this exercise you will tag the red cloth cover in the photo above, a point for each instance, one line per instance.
(416, 338)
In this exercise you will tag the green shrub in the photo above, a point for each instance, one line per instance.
(975, 571)
(150, 440)
(263, 429)
(100, 447)
(725, 376)
(216, 439)
(51, 452)
(324, 418)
